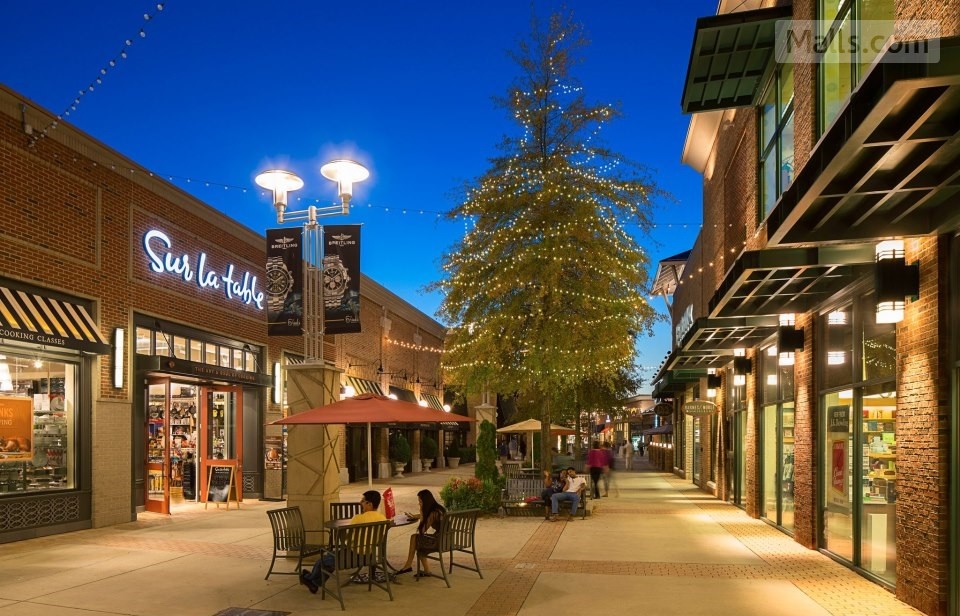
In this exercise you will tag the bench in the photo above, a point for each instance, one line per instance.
(521, 496)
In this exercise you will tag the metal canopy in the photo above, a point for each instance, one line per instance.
(889, 165)
(788, 280)
(730, 58)
(711, 341)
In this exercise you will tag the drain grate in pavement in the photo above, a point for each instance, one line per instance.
(246, 611)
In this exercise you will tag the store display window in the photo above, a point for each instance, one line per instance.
(778, 438)
(38, 417)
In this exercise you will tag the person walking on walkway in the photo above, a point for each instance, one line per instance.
(628, 455)
(611, 460)
(596, 462)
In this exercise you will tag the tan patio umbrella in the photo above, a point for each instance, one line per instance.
(369, 409)
(529, 426)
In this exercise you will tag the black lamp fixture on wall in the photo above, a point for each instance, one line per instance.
(742, 366)
(894, 281)
(789, 340)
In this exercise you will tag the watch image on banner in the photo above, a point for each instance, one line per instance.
(341, 279)
(284, 282)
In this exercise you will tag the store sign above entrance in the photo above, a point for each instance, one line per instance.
(236, 287)
(663, 409)
(699, 408)
(683, 326)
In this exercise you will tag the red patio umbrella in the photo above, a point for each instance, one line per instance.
(369, 409)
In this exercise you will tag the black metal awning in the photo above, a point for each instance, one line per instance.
(38, 319)
(675, 381)
(404, 394)
(710, 343)
(364, 386)
(730, 58)
(774, 281)
(664, 429)
(889, 165)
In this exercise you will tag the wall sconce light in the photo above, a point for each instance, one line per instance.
(789, 341)
(276, 382)
(894, 281)
(349, 391)
(837, 317)
(742, 366)
(423, 403)
(713, 384)
(119, 336)
(771, 379)
(739, 352)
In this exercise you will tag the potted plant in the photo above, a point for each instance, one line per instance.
(399, 453)
(453, 455)
(428, 451)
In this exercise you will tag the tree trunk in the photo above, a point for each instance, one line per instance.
(546, 457)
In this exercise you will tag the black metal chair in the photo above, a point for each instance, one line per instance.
(457, 534)
(356, 547)
(290, 539)
(344, 511)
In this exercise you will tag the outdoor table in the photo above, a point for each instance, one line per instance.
(335, 525)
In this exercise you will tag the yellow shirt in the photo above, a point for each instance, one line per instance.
(367, 517)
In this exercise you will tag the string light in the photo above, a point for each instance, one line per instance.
(414, 347)
(98, 80)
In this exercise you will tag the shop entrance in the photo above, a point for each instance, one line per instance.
(189, 426)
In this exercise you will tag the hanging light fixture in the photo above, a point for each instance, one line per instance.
(789, 340)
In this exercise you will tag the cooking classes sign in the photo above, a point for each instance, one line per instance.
(341, 279)
(699, 408)
(284, 282)
(16, 428)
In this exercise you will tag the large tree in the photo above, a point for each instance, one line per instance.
(546, 290)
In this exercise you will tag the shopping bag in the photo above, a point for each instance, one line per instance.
(389, 507)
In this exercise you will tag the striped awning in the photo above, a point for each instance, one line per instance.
(432, 401)
(32, 318)
(364, 386)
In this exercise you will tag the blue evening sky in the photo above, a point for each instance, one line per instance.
(218, 91)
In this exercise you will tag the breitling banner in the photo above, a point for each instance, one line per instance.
(284, 283)
(341, 279)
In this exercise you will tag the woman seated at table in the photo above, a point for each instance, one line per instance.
(425, 539)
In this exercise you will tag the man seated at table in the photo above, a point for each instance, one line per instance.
(571, 492)
(369, 503)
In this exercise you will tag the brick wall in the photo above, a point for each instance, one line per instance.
(923, 428)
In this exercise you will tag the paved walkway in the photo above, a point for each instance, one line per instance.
(659, 547)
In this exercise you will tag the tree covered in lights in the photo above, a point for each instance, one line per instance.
(546, 290)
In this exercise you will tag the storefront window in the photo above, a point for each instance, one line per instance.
(179, 347)
(144, 341)
(210, 354)
(860, 446)
(855, 32)
(837, 465)
(778, 438)
(776, 138)
(196, 351)
(38, 423)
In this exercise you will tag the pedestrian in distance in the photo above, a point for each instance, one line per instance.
(627, 455)
(596, 462)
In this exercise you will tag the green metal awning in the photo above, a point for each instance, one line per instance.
(889, 164)
(711, 341)
(675, 381)
(775, 281)
(730, 58)
(432, 401)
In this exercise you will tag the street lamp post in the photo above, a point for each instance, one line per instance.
(345, 173)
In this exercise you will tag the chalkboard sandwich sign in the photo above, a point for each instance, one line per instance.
(222, 484)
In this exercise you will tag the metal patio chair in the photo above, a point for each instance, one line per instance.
(457, 534)
(290, 539)
(344, 511)
(356, 547)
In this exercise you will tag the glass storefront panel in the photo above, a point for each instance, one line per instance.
(741, 455)
(879, 472)
(697, 448)
(837, 75)
(837, 465)
(878, 357)
(786, 466)
(770, 474)
(38, 423)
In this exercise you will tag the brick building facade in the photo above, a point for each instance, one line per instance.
(97, 427)
(829, 186)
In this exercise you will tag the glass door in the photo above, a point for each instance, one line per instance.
(157, 488)
(221, 433)
(184, 420)
(697, 450)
